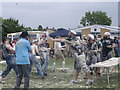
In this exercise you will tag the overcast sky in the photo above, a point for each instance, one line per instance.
(56, 14)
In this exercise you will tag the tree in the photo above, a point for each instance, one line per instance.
(40, 28)
(97, 17)
(10, 26)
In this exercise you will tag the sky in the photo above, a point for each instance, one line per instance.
(56, 14)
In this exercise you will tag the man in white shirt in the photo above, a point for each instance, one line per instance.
(59, 55)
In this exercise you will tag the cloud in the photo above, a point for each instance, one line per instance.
(64, 14)
(60, 0)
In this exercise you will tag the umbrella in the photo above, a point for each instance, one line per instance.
(62, 33)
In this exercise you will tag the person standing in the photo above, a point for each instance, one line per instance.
(44, 53)
(8, 54)
(34, 60)
(118, 47)
(59, 55)
(78, 56)
(92, 53)
(107, 46)
(22, 60)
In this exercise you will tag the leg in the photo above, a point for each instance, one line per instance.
(26, 72)
(97, 72)
(85, 68)
(63, 61)
(54, 64)
(38, 66)
(15, 68)
(76, 73)
(53, 67)
(8, 69)
(42, 61)
(31, 61)
(19, 76)
(46, 63)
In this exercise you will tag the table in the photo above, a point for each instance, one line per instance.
(107, 64)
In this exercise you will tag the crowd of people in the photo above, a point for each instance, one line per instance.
(21, 54)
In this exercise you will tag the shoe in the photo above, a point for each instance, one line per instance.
(89, 82)
(85, 78)
(52, 70)
(91, 73)
(42, 77)
(45, 74)
(73, 81)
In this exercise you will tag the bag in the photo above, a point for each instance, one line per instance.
(11, 60)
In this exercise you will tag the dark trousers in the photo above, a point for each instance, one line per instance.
(8, 69)
(23, 71)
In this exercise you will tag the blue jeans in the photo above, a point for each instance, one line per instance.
(9, 67)
(118, 51)
(34, 61)
(44, 60)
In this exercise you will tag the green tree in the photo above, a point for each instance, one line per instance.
(40, 28)
(10, 26)
(97, 17)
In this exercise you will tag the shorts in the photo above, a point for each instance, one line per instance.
(59, 55)
(80, 63)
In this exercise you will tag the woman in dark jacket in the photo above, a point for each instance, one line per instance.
(9, 56)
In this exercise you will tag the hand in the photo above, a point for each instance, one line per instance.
(109, 46)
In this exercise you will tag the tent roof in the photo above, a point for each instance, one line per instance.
(62, 33)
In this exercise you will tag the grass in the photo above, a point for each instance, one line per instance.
(59, 79)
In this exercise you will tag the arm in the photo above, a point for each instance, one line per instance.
(29, 47)
(8, 46)
(41, 42)
(36, 48)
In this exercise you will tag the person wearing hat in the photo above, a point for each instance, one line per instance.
(78, 56)
(107, 46)
(92, 52)
(77, 50)
(23, 49)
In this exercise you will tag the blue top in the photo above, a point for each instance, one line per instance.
(22, 51)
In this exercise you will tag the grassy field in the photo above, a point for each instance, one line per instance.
(59, 79)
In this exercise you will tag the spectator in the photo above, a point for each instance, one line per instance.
(8, 54)
(118, 47)
(23, 63)
(34, 60)
(44, 53)
(59, 55)
(107, 46)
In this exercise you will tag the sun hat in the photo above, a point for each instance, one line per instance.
(91, 36)
(73, 32)
(107, 34)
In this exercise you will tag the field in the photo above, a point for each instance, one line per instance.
(59, 79)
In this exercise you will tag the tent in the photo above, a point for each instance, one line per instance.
(62, 33)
